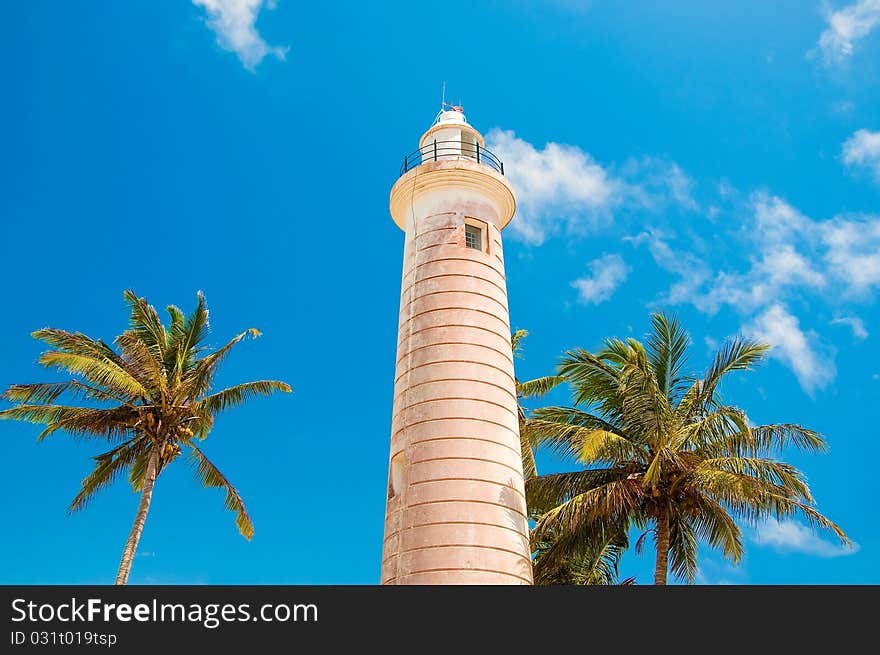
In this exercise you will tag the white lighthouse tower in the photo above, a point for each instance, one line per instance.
(456, 509)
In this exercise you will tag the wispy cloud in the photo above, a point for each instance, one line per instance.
(234, 22)
(856, 324)
(776, 233)
(852, 253)
(790, 257)
(562, 187)
(862, 150)
(789, 536)
(606, 274)
(796, 348)
(711, 572)
(654, 183)
(846, 27)
(691, 271)
(763, 259)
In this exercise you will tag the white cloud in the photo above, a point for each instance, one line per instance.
(775, 220)
(562, 186)
(789, 536)
(654, 183)
(711, 572)
(785, 266)
(762, 257)
(794, 253)
(855, 324)
(606, 274)
(847, 26)
(799, 350)
(234, 22)
(681, 187)
(852, 252)
(788, 257)
(862, 150)
(692, 271)
(556, 184)
(773, 234)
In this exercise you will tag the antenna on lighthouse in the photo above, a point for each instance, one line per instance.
(447, 108)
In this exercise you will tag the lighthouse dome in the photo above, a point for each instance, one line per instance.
(450, 127)
(451, 116)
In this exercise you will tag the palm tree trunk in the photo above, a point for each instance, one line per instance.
(140, 518)
(662, 566)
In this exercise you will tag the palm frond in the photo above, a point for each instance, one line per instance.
(100, 372)
(737, 354)
(592, 378)
(667, 346)
(113, 424)
(547, 492)
(516, 341)
(108, 466)
(75, 343)
(592, 558)
(145, 362)
(195, 330)
(682, 548)
(769, 438)
(753, 499)
(200, 377)
(527, 450)
(608, 503)
(539, 386)
(565, 430)
(585, 444)
(176, 331)
(144, 321)
(39, 394)
(648, 411)
(241, 393)
(86, 422)
(723, 430)
(776, 473)
(602, 564)
(714, 525)
(210, 476)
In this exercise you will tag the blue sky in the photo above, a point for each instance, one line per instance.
(719, 160)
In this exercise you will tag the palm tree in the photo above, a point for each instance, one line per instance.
(148, 398)
(664, 454)
(524, 390)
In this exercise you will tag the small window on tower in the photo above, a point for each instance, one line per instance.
(473, 237)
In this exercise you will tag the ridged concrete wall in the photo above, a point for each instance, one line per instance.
(460, 516)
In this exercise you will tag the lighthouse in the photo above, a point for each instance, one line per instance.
(456, 508)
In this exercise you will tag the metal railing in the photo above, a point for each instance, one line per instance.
(446, 150)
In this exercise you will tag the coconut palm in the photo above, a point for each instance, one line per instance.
(524, 390)
(664, 453)
(150, 398)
